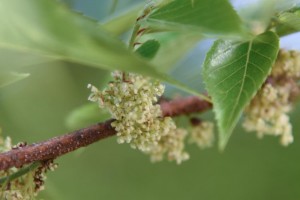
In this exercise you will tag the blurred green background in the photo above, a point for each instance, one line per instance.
(36, 109)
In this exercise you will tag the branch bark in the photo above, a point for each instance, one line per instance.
(57, 146)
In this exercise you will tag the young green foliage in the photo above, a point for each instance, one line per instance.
(149, 49)
(169, 52)
(216, 17)
(7, 78)
(233, 72)
(289, 22)
(48, 29)
(121, 22)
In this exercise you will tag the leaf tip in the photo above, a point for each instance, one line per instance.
(223, 140)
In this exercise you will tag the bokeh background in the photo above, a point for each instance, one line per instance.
(37, 108)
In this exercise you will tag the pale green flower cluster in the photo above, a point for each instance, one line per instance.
(171, 145)
(287, 64)
(132, 102)
(267, 113)
(132, 99)
(203, 134)
(21, 189)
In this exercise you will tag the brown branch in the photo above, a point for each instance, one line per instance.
(184, 106)
(55, 147)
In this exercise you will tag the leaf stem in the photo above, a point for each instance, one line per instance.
(19, 173)
(133, 35)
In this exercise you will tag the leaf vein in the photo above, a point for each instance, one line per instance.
(228, 64)
(262, 55)
(242, 81)
(234, 72)
(257, 67)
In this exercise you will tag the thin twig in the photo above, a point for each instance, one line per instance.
(57, 146)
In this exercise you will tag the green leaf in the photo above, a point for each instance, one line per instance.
(47, 28)
(7, 78)
(289, 22)
(148, 49)
(169, 52)
(114, 6)
(86, 115)
(257, 16)
(233, 73)
(11, 60)
(122, 22)
(209, 16)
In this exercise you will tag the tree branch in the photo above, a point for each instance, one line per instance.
(57, 146)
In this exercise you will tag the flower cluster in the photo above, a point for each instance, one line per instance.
(202, 134)
(267, 113)
(39, 175)
(287, 65)
(172, 145)
(131, 100)
(25, 187)
(5, 144)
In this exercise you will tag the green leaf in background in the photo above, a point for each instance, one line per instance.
(209, 16)
(257, 15)
(7, 78)
(148, 49)
(49, 29)
(233, 72)
(114, 6)
(86, 115)
(173, 47)
(11, 60)
(122, 22)
(289, 22)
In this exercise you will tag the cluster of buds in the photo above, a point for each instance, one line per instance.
(132, 102)
(171, 145)
(267, 113)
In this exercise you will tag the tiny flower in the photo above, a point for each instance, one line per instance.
(203, 134)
